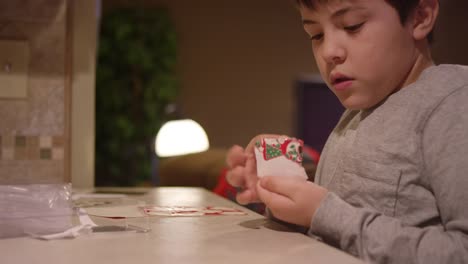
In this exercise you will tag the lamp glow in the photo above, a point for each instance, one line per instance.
(180, 137)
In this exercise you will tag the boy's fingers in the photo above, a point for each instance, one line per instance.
(236, 177)
(245, 177)
(235, 156)
(251, 145)
(251, 171)
(247, 196)
(286, 186)
(271, 199)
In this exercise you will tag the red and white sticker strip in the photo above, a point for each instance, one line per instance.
(190, 210)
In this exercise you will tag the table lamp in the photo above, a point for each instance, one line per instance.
(180, 137)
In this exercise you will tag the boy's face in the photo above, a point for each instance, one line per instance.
(362, 50)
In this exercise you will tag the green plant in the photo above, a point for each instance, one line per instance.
(135, 80)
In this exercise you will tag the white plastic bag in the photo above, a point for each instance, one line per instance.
(35, 209)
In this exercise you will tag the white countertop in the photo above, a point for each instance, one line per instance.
(249, 238)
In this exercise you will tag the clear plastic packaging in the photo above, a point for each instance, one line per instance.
(35, 209)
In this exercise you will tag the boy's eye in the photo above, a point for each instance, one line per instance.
(354, 28)
(317, 36)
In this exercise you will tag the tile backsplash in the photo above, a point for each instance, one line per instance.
(34, 137)
(31, 147)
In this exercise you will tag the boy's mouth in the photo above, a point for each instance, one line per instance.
(338, 78)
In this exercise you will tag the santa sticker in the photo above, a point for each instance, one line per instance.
(279, 157)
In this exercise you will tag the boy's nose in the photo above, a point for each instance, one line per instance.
(333, 52)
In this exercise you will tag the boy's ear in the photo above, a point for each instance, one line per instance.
(424, 18)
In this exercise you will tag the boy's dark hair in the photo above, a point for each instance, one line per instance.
(403, 7)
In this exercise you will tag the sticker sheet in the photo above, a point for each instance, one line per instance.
(190, 211)
(279, 157)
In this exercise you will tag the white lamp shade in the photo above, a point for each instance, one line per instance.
(180, 137)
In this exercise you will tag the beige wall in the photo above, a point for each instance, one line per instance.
(238, 61)
(34, 130)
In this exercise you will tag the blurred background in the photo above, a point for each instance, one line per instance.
(95, 103)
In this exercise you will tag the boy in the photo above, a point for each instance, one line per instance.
(392, 181)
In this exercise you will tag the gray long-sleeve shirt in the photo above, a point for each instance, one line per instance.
(398, 175)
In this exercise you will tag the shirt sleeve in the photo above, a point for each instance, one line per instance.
(377, 238)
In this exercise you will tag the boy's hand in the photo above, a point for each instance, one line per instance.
(291, 199)
(242, 174)
(243, 170)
